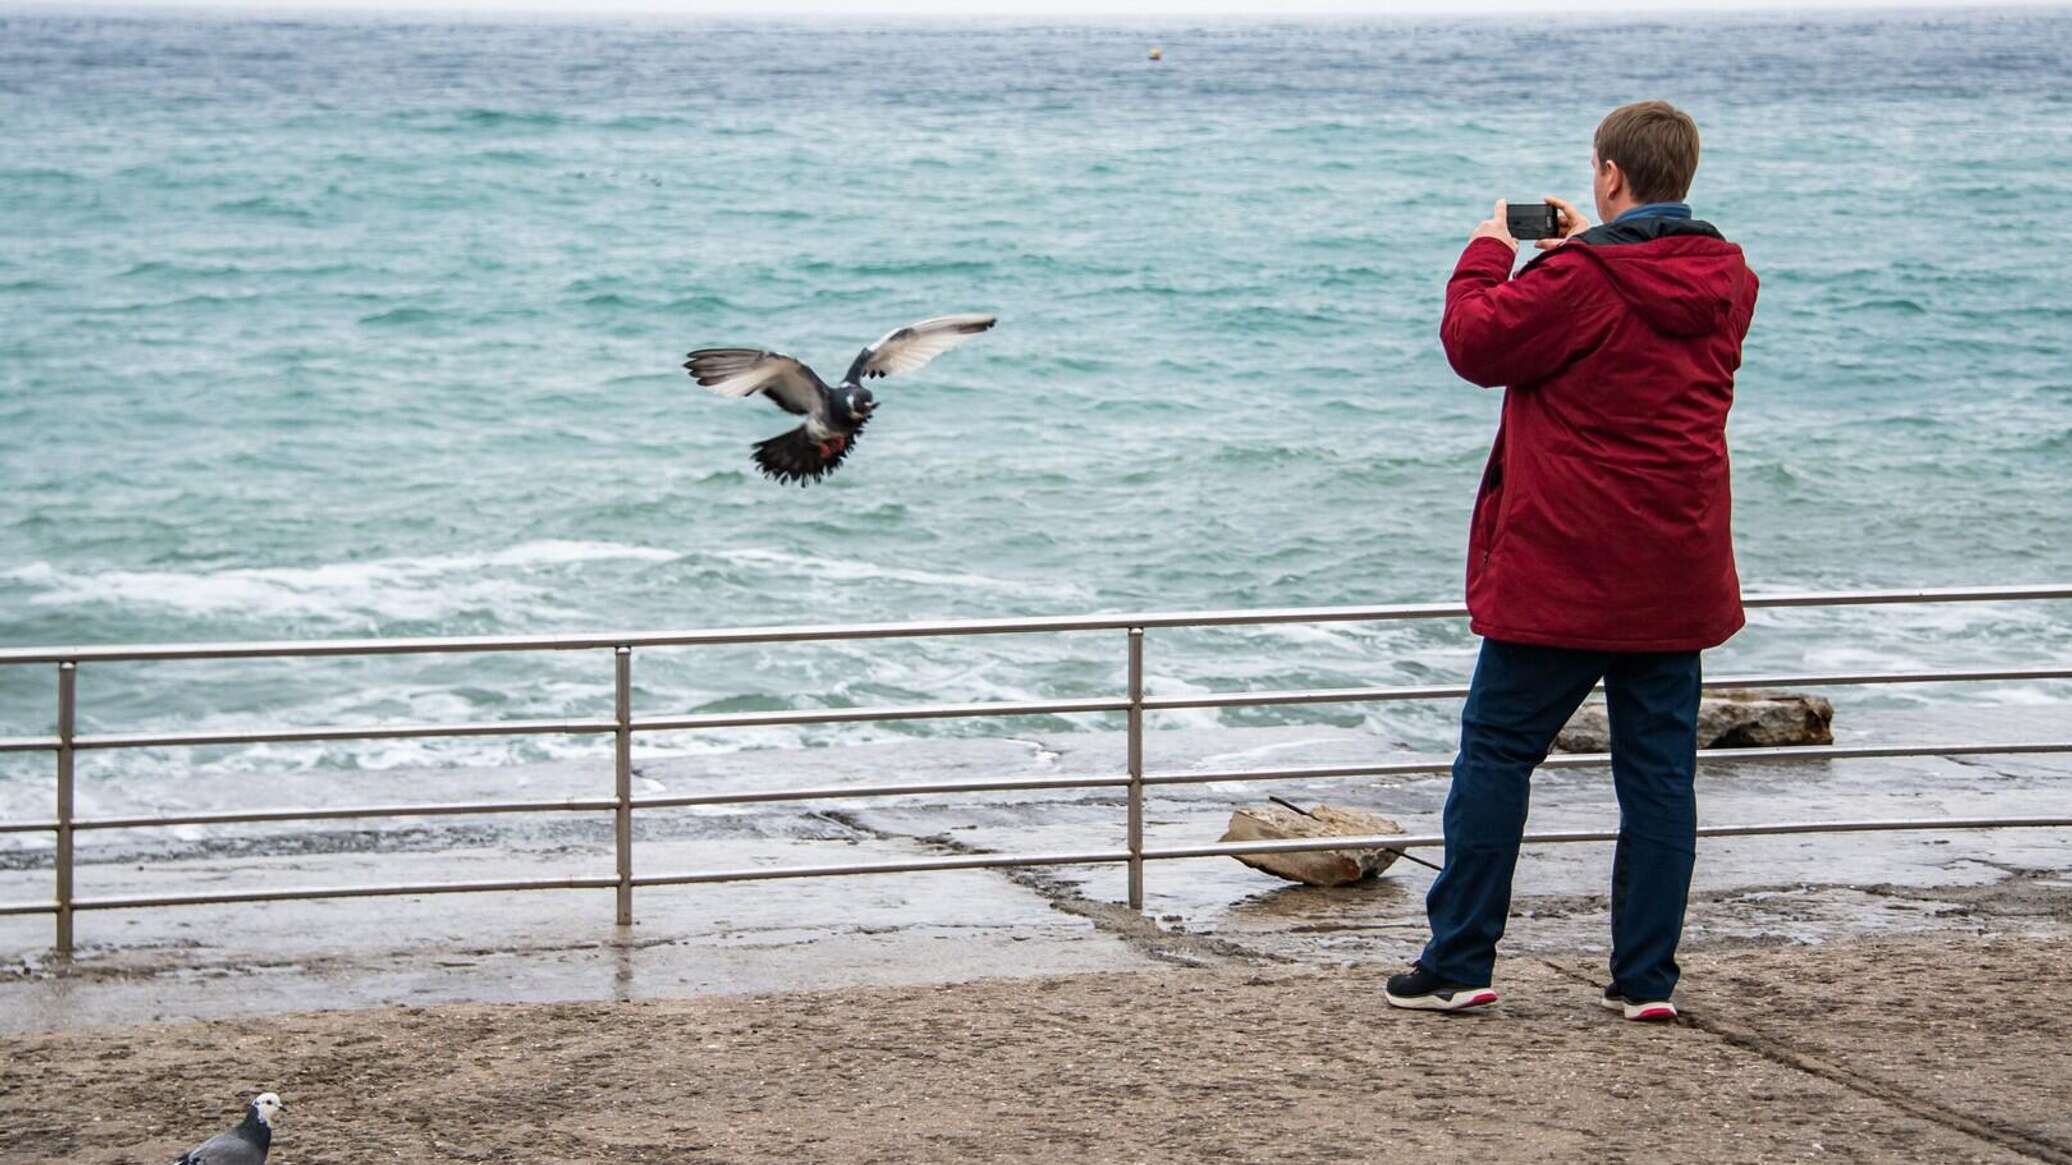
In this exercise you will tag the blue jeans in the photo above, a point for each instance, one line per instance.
(1520, 698)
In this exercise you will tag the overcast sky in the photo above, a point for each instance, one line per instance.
(1023, 9)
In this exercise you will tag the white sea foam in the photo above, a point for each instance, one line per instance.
(430, 587)
(1195, 718)
(858, 570)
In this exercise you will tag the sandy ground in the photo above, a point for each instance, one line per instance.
(1926, 1047)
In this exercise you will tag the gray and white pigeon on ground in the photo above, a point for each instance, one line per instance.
(833, 415)
(244, 1145)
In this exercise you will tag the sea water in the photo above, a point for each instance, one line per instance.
(336, 327)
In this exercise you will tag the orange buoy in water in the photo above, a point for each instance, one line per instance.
(1157, 54)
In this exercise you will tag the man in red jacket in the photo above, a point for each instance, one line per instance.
(1601, 547)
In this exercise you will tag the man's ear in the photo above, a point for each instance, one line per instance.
(1614, 182)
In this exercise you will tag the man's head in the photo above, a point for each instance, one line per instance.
(1644, 152)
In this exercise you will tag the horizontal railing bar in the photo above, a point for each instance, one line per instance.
(1009, 861)
(1034, 624)
(469, 808)
(368, 732)
(1401, 841)
(715, 637)
(1014, 785)
(28, 743)
(1266, 698)
(916, 866)
(834, 792)
(1456, 691)
(888, 712)
(1575, 760)
(1904, 595)
(951, 711)
(1845, 679)
(314, 892)
(1312, 773)
(442, 809)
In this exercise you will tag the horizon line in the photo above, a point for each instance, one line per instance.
(1570, 12)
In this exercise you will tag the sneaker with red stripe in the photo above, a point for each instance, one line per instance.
(1640, 1010)
(1419, 990)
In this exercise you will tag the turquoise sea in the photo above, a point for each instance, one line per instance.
(345, 328)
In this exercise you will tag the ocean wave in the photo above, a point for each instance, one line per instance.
(508, 157)
(643, 121)
(42, 176)
(399, 317)
(1896, 305)
(615, 300)
(699, 303)
(915, 268)
(509, 118)
(432, 587)
(154, 268)
(769, 214)
(858, 570)
(184, 302)
(265, 207)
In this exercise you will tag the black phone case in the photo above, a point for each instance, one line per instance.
(1534, 220)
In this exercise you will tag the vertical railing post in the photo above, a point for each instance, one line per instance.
(1136, 763)
(622, 772)
(68, 698)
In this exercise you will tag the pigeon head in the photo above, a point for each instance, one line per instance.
(266, 1106)
(857, 403)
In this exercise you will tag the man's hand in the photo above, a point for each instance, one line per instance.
(1572, 223)
(1495, 227)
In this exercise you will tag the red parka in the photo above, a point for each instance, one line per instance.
(1604, 518)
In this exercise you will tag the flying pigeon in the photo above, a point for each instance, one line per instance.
(244, 1145)
(834, 416)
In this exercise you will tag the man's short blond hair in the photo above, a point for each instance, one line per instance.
(1656, 147)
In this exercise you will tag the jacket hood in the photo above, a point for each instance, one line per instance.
(1677, 274)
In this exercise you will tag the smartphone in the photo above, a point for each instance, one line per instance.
(1533, 220)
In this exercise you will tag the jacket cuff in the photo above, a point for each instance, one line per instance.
(1486, 256)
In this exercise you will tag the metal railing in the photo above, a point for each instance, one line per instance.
(66, 743)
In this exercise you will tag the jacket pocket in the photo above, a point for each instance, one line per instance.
(1489, 502)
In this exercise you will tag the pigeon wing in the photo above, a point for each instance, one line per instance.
(224, 1149)
(739, 372)
(908, 348)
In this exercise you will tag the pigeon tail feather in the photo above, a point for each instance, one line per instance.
(796, 456)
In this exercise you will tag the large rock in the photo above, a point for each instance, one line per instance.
(1335, 867)
(1729, 718)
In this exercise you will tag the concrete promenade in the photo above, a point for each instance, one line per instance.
(1929, 1047)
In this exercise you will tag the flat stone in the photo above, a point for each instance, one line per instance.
(1338, 867)
(1729, 718)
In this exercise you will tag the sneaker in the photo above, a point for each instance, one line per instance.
(1420, 990)
(1642, 1010)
